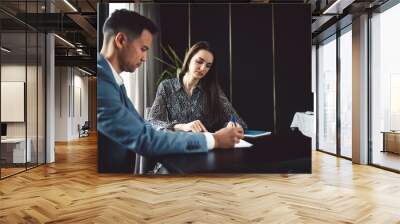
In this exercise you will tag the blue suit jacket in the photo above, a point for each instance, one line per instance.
(122, 132)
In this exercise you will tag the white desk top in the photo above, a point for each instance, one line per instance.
(13, 140)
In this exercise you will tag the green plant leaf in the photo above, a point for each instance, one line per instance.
(165, 63)
(178, 70)
(178, 61)
(173, 63)
(168, 54)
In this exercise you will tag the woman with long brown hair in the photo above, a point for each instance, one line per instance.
(193, 101)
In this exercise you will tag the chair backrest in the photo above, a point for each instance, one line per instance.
(146, 112)
(86, 125)
(143, 164)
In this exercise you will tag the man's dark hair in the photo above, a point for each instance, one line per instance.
(128, 22)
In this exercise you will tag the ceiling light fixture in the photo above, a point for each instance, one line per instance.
(64, 40)
(84, 71)
(70, 5)
(337, 7)
(5, 50)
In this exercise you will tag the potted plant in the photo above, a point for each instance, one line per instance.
(173, 64)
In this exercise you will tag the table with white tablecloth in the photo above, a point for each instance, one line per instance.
(305, 122)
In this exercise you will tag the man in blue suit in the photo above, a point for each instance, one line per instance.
(121, 131)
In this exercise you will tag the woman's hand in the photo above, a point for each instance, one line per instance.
(194, 126)
(231, 124)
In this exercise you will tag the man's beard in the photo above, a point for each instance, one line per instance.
(124, 65)
(127, 69)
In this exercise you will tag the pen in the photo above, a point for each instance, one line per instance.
(233, 120)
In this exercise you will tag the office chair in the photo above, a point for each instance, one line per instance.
(144, 165)
(84, 130)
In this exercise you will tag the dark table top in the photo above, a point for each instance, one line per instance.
(287, 153)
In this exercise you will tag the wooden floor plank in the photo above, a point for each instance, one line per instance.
(71, 191)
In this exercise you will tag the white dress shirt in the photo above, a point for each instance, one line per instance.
(117, 77)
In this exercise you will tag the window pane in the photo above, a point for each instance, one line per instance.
(41, 99)
(31, 98)
(14, 153)
(346, 94)
(327, 97)
(385, 84)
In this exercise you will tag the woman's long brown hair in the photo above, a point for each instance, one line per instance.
(209, 84)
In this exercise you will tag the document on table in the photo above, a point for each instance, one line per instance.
(243, 144)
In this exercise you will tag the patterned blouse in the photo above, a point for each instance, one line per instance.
(173, 105)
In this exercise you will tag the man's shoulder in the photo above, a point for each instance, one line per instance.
(105, 80)
(104, 73)
(101, 70)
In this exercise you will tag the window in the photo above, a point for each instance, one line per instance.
(22, 63)
(327, 96)
(346, 93)
(385, 84)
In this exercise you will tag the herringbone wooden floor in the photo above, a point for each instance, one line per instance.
(71, 191)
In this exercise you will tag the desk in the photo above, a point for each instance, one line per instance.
(13, 150)
(269, 154)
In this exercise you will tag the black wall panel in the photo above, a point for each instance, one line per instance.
(293, 62)
(252, 64)
(174, 27)
(210, 22)
(262, 36)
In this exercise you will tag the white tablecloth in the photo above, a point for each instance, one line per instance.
(305, 123)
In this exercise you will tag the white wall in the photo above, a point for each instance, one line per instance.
(71, 102)
(80, 105)
(14, 72)
(17, 72)
(33, 127)
(61, 103)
